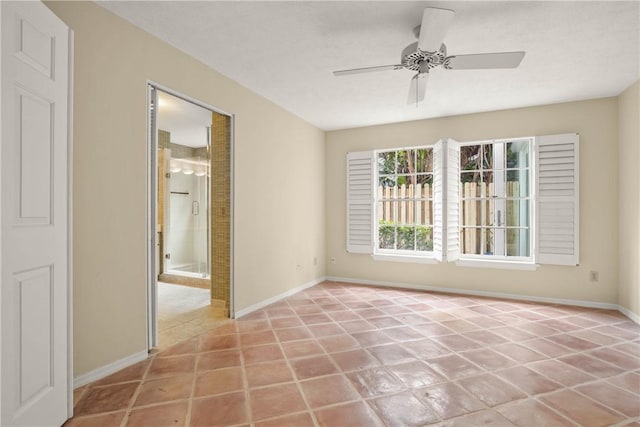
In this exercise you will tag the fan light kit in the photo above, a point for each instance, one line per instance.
(429, 52)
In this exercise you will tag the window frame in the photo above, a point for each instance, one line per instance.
(402, 255)
(501, 260)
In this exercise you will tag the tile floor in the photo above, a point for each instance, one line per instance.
(344, 355)
(184, 312)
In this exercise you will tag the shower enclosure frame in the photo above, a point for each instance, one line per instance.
(152, 204)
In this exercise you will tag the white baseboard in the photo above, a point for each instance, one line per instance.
(278, 297)
(630, 314)
(109, 369)
(562, 301)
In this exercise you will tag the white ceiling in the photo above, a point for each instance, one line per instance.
(186, 121)
(286, 51)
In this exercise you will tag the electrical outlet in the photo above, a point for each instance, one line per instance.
(594, 276)
(333, 260)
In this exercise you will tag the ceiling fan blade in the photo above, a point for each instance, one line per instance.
(435, 23)
(366, 70)
(417, 88)
(485, 61)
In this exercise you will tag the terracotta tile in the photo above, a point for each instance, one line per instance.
(262, 353)
(616, 358)
(293, 334)
(337, 343)
(485, 321)
(546, 347)
(624, 402)
(341, 316)
(384, 322)
(185, 347)
(530, 412)
(518, 353)
(268, 373)
(357, 326)
(580, 409)
(285, 322)
(311, 367)
(591, 365)
(561, 372)
(102, 420)
(168, 366)
(513, 333)
(352, 415)
(485, 337)
(253, 325)
(370, 313)
(226, 329)
(165, 389)
(391, 354)
(301, 348)
(274, 401)
(218, 359)
(218, 381)
(629, 381)
(527, 380)
(312, 319)
(460, 325)
(453, 366)
(595, 337)
(106, 399)
(354, 360)
(170, 414)
(617, 332)
(577, 344)
(328, 391)
(371, 338)
(426, 348)
(413, 319)
(538, 329)
(403, 410)
(449, 400)
(487, 417)
(221, 410)
(279, 312)
(78, 393)
(307, 310)
(416, 374)
(403, 334)
(257, 338)
(375, 382)
(491, 390)
(632, 348)
(325, 330)
(218, 342)
(457, 342)
(132, 373)
(297, 420)
(432, 330)
(488, 359)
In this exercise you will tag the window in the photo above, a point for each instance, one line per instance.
(495, 200)
(503, 203)
(404, 201)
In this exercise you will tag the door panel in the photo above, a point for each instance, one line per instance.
(34, 216)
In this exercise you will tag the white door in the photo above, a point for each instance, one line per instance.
(35, 288)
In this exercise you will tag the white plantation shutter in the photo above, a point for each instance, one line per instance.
(438, 199)
(557, 201)
(452, 186)
(360, 202)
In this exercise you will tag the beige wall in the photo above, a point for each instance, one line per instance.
(279, 182)
(629, 195)
(595, 121)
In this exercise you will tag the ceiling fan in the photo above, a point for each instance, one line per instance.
(429, 52)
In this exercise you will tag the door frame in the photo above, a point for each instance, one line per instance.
(152, 190)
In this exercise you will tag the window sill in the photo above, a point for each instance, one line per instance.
(503, 265)
(405, 258)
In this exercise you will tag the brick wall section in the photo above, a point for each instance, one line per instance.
(221, 208)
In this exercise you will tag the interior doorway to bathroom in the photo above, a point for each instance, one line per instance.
(189, 217)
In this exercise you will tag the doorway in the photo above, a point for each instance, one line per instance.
(189, 222)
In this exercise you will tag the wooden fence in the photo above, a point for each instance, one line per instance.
(397, 205)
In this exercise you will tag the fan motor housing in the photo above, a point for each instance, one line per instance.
(415, 59)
